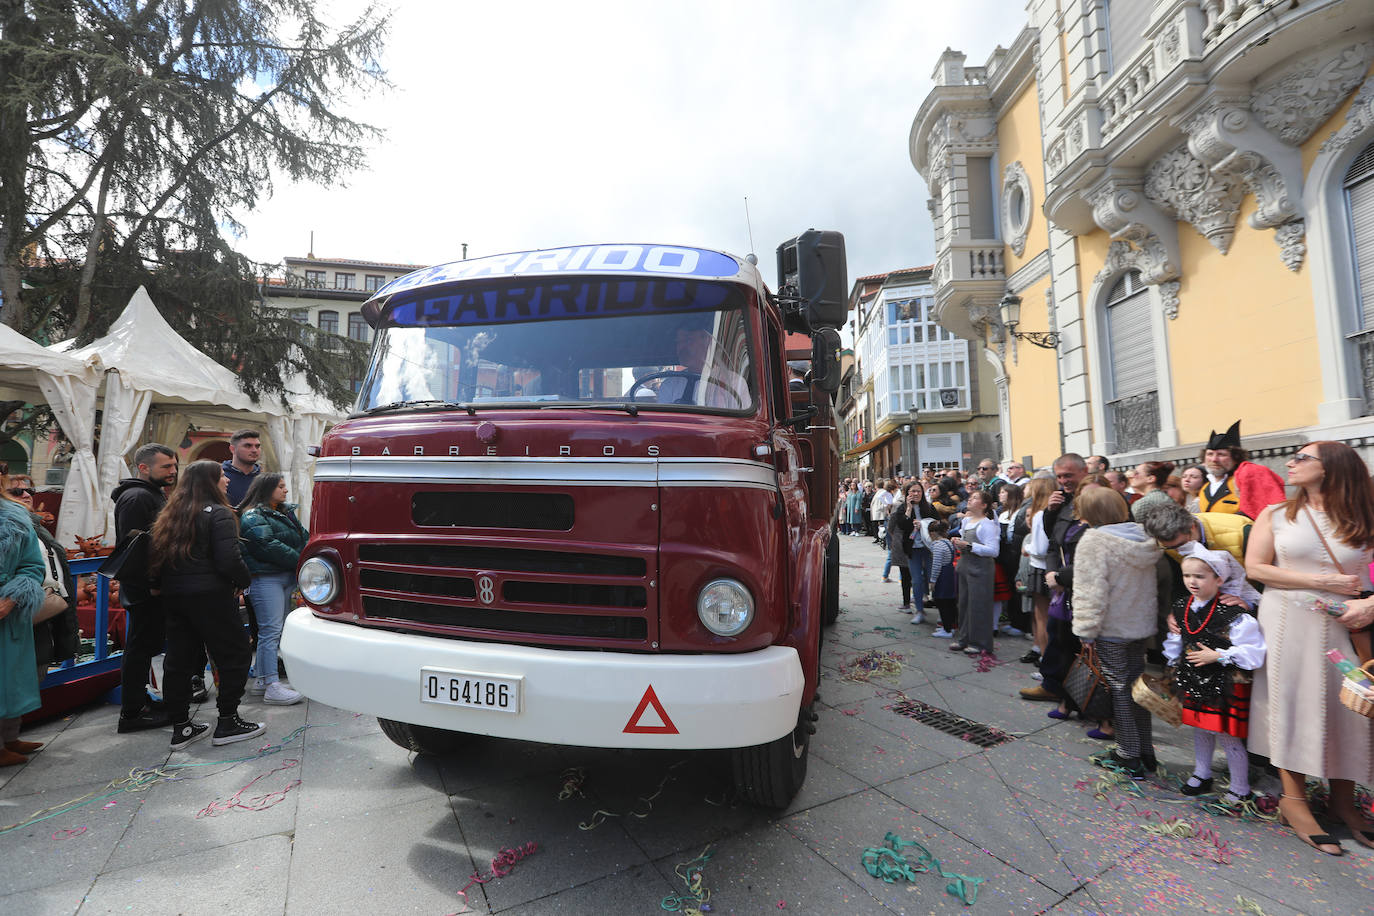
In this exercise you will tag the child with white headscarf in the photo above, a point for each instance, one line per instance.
(1216, 646)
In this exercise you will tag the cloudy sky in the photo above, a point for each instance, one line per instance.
(517, 125)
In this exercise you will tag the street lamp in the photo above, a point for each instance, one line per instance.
(1010, 307)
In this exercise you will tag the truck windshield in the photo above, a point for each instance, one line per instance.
(674, 344)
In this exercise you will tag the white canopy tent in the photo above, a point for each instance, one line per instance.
(69, 384)
(156, 370)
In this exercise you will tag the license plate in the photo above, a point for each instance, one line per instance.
(470, 690)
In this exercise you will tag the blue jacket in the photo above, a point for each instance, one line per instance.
(272, 539)
(22, 569)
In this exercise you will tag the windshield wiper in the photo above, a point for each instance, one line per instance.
(629, 408)
(407, 405)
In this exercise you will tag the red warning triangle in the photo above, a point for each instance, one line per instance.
(650, 698)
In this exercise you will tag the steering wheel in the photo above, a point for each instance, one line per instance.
(687, 377)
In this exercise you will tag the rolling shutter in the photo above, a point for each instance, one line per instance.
(1130, 339)
(1359, 189)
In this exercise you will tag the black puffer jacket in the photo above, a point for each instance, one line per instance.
(215, 563)
(137, 503)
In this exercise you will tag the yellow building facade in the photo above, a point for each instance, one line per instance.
(1158, 217)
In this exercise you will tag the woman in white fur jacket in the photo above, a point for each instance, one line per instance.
(1114, 609)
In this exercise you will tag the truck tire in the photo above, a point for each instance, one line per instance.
(770, 775)
(422, 739)
(830, 595)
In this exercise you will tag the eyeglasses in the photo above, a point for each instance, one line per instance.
(20, 491)
(1300, 457)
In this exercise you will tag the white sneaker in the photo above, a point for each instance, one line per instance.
(918, 617)
(256, 686)
(278, 694)
(942, 633)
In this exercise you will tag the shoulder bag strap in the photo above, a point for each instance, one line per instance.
(1329, 552)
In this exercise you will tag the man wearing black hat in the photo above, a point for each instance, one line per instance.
(1234, 483)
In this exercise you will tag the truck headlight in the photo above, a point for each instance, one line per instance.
(725, 607)
(319, 581)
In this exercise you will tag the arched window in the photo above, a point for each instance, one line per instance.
(1133, 396)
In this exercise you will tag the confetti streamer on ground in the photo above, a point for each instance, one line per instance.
(1249, 906)
(140, 779)
(697, 898)
(646, 801)
(255, 802)
(503, 864)
(69, 833)
(874, 663)
(986, 662)
(888, 863)
(573, 778)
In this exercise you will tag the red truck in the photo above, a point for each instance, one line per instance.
(586, 499)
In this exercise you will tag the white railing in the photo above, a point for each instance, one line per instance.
(1222, 16)
(1120, 95)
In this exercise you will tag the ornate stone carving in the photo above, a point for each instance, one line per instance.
(1168, 44)
(1295, 103)
(1122, 209)
(1182, 186)
(1358, 120)
(1168, 294)
(1233, 144)
(1076, 138)
(1016, 207)
(1056, 156)
(1122, 256)
(1292, 239)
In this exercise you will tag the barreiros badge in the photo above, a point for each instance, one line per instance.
(659, 260)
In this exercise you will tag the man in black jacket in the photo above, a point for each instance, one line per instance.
(138, 500)
(1069, 471)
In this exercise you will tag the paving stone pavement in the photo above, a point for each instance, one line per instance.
(343, 821)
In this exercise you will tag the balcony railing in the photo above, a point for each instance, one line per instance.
(1124, 90)
(1134, 421)
(1364, 346)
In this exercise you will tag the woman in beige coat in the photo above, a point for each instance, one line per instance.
(1317, 545)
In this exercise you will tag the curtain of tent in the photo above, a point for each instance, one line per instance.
(290, 437)
(121, 429)
(73, 403)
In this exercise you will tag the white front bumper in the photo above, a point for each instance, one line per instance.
(571, 697)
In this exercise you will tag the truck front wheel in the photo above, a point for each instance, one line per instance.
(422, 739)
(770, 775)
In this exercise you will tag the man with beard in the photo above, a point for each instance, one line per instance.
(1234, 483)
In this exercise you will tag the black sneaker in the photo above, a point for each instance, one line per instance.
(187, 733)
(198, 692)
(1030, 658)
(233, 729)
(144, 719)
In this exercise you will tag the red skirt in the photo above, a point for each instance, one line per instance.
(1001, 588)
(1230, 717)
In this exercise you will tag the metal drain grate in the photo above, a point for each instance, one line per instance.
(947, 722)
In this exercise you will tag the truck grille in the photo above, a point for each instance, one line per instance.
(482, 618)
(502, 559)
(568, 597)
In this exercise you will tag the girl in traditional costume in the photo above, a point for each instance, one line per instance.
(1220, 645)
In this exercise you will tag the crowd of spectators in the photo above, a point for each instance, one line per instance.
(1231, 587)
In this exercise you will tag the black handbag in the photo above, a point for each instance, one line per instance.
(129, 559)
(1086, 686)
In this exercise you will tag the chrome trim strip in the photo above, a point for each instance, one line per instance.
(519, 471)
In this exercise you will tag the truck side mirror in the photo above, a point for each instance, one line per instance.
(825, 359)
(813, 264)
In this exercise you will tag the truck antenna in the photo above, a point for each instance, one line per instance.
(753, 258)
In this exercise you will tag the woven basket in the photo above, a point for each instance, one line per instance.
(1157, 697)
(1354, 697)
